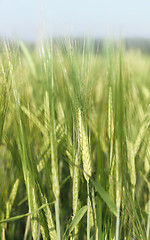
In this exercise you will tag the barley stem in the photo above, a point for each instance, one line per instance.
(57, 219)
(88, 212)
(148, 220)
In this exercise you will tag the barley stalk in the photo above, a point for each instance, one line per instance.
(83, 140)
(32, 207)
(54, 161)
(118, 191)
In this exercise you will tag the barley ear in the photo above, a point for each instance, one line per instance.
(140, 137)
(110, 115)
(75, 185)
(83, 140)
(131, 162)
(12, 198)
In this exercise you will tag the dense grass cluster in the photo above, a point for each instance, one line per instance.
(74, 143)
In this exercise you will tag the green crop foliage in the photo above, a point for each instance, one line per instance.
(74, 142)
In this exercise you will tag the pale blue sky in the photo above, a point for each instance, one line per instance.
(31, 19)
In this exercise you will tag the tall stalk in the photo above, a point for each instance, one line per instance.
(148, 220)
(88, 212)
(53, 141)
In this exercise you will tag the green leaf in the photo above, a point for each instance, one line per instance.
(104, 195)
(12, 219)
(75, 221)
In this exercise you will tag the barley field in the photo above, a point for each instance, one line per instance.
(74, 142)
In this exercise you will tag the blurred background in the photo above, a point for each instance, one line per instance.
(32, 20)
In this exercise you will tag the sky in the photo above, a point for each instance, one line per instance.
(31, 20)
